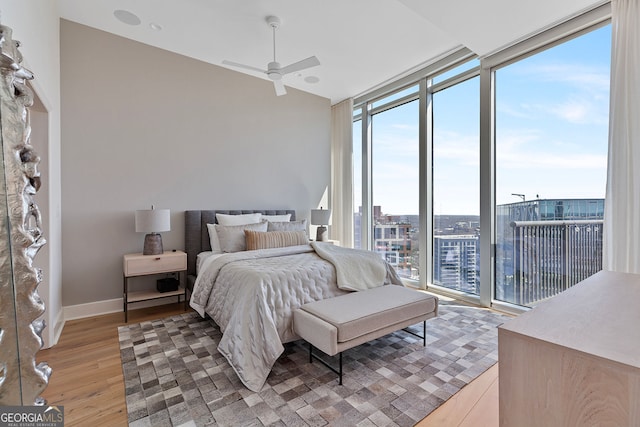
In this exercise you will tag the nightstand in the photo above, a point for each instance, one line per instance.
(144, 265)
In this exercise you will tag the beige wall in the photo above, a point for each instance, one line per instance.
(35, 24)
(144, 126)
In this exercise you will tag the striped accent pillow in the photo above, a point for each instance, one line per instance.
(274, 239)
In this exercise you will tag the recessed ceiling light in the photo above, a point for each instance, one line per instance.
(155, 27)
(311, 79)
(126, 17)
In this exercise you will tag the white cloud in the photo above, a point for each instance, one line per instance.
(583, 98)
(581, 111)
(586, 78)
(394, 145)
(522, 150)
(407, 127)
(572, 111)
(521, 112)
(465, 149)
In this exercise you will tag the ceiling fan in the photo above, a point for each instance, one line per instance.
(274, 71)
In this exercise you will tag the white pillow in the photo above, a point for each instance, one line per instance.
(231, 237)
(277, 218)
(225, 219)
(213, 239)
(288, 226)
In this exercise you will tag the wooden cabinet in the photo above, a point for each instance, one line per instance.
(574, 360)
(144, 265)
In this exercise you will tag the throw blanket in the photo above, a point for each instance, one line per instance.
(356, 269)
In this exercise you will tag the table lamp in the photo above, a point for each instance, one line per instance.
(321, 217)
(153, 221)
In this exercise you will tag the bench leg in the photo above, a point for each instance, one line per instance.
(319, 359)
(424, 333)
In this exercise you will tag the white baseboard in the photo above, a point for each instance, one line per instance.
(58, 326)
(51, 333)
(97, 308)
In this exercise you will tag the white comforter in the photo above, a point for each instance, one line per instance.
(251, 295)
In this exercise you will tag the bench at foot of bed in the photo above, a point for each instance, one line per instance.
(337, 324)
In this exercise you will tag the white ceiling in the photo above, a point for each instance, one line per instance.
(360, 43)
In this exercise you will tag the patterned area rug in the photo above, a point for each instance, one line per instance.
(174, 375)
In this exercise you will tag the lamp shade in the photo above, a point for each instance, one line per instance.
(320, 216)
(153, 220)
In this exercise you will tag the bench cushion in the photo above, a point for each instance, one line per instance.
(360, 313)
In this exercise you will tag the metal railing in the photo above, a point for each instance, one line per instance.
(551, 256)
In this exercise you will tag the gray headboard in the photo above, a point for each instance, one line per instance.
(196, 235)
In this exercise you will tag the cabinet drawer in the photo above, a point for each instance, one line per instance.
(138, 265)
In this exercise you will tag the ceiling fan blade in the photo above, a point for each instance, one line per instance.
(247, 67)
(312, 61)
(279, 86)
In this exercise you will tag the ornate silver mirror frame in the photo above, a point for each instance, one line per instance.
(21, 380)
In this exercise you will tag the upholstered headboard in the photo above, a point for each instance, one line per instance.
(196, 235)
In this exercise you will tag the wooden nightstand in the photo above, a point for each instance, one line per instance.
(145, 265)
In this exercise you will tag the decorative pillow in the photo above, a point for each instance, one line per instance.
(277, 218)
(231, 237)
(242, 219)
(274, 239)
(288, 226)
(213, 239)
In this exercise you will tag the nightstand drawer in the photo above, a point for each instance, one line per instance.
(138, 265)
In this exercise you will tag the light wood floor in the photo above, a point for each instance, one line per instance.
(87, 377)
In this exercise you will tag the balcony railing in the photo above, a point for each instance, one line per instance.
(551, 256)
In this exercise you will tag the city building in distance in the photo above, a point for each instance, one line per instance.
(543, 247)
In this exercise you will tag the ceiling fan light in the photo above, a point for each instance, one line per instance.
(273, 70)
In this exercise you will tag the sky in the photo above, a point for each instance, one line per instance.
(551, 134)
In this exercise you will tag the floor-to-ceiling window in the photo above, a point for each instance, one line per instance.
(530, 123)
(456, 186)
(395, 164)
(551, 159)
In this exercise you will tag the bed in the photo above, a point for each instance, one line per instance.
(251, 295)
